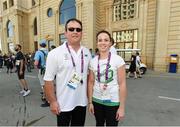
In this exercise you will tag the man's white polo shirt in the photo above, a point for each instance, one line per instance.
(59, 63)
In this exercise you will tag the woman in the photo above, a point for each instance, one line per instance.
(132, 67)
(107, 84)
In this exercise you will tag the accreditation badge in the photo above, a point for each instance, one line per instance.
(17, 62)
(105, 95)
(74, 81)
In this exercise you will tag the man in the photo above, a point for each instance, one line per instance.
(53, 47)
(69, 62)
(20, 66)
(92, 53)
(112, 48)
(138, 63)
(28, 62)
(40, 63)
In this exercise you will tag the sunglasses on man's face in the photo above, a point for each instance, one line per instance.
(72, 29)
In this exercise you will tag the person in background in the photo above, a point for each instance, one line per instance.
(96, 51)
(20, 66)
(69, 63)
(5, 57)
(40, 63)
(9, 64)
(132, 67)
(1, 59)
(53, 47)
(106, 84)
(28, 62)
(92, 53)
(112, 48)
(138, 62)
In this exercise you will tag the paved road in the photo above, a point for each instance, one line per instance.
(152, 100)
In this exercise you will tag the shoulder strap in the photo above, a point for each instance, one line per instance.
(43, 52)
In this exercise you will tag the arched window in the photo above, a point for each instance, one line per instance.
(49, 12)
(33, 2)
(67, 10)
(124, 9)
(11, 3)
(35, 26)
(10, 29)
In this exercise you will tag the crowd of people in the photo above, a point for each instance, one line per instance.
(8, 61)
(73, 77)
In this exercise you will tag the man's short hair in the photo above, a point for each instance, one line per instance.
(137, 53)
(73, 19)
(19, 46)
(53, 46)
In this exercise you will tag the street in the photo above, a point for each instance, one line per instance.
(153, 100)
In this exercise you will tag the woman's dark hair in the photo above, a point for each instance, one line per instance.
(103, 31)
(112, 41)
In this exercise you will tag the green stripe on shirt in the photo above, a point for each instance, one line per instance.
(105, 103)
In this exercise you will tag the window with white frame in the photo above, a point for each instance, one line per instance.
(124, 9)
(11, 3)
(33, 2)
(126, 39)
(4, 5)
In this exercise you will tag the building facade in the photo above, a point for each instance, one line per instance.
(150, 25)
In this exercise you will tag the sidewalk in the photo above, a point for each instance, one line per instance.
(143, 105)
(161, 74)
(19, 111)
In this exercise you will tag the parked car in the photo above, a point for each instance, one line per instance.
(126, 55)
(143, 67)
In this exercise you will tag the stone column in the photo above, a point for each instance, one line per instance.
(88, 20)
(142, 28)
(162, 24)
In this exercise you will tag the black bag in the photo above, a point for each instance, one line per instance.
(39, 66)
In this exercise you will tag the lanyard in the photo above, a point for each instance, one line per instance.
(107, 66)
(72, 59)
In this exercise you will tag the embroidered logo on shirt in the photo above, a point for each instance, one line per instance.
(66, 57)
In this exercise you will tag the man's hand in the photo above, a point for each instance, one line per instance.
(54, 107)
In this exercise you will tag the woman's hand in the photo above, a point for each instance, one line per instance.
(91, 108)
(120, 114)
(21, 72)
(54, 107)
